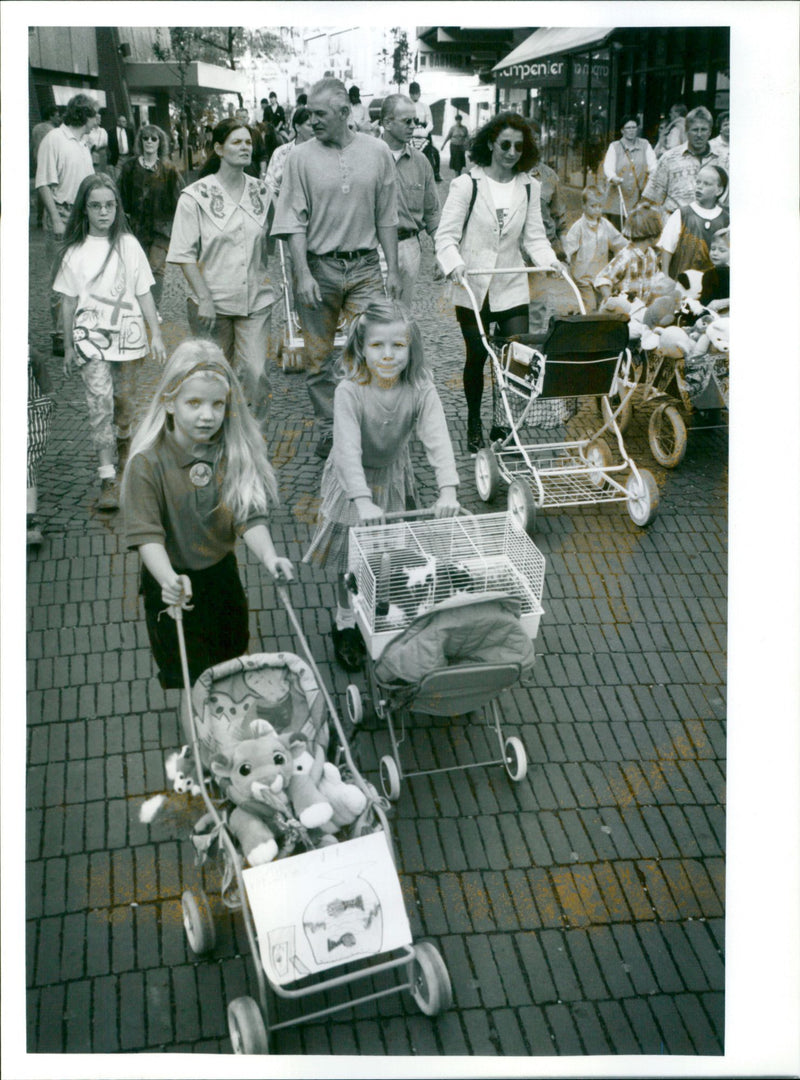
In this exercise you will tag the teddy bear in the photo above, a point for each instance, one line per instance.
(257, 775)
(314, 776)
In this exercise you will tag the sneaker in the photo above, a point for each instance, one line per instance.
(34, 535)
(498, 433)
(109, 498)
(324, 446)
(348, 647)
(474, 436)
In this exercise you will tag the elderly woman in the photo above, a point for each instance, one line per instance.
(150, 185)
(628, 163)
(490, 213)
(219, 241)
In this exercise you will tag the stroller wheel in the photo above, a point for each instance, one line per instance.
(522, 506)
(430, 981)
(487, 474)
(198, 922)
(642, 497)
(666, 434)
(516, 760)
(390, 778)
(355, 706)
(246, 1027)
(598, 457)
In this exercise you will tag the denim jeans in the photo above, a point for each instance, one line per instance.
(346, 286)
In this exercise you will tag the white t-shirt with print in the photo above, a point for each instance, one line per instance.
(108, 323)
(501, 197)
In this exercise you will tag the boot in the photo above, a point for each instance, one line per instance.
(474, 436)
(109, 496)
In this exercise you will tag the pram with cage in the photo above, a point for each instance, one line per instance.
(693, 389)
(580, 356)
(448, 610)
(291, 345)
(325, 921)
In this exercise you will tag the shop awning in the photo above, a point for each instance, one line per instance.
(162, 75)
(551, 41)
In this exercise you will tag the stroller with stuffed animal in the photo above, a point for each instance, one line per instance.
(537, 381)
(291, 345)
(686, 372)
(321, 901)
(448, 610)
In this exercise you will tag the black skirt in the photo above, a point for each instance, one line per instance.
(215, 629)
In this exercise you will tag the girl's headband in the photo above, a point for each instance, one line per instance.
(212, 367)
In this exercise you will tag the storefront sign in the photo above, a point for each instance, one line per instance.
(554, 72)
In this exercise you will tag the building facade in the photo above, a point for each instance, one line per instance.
(579, 83)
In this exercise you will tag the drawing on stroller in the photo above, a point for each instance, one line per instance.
(693, 378)
(327, 918)
(449, 610)
(580, 356)
(290, 347)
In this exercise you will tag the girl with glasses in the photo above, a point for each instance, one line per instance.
(490, 213)
(149, 185)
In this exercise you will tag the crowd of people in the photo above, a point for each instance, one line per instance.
(350, 196)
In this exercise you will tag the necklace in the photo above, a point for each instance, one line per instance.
(151, 166)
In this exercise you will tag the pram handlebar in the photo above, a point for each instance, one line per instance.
(515, 270)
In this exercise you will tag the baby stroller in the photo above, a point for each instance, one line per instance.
(290, 347)
(579, 356)
(449, 610)
(693, 388)
(330, 917)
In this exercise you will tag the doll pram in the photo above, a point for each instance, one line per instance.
(581, 356)
(693, 390)
(291, 345)
(449, 644)
(327, 924)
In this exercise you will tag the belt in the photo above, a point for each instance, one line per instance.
(348, 256)
(407, 234)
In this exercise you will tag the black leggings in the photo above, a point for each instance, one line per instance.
(512, 321)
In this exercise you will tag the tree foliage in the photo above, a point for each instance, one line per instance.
(399, 57)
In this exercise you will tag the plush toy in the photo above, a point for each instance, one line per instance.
(316, 778)
(675, 342)
(258, 777)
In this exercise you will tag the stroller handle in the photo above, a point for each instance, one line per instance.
(426, 511)
(515, 270)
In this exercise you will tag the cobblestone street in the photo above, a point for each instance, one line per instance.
(580, 911)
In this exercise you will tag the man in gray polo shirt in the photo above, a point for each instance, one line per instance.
(337, 203)
(417, 201)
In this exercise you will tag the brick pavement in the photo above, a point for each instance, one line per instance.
(580, 911)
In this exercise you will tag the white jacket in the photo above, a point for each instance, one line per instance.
(484, 245)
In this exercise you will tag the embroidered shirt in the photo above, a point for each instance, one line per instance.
(227, 240)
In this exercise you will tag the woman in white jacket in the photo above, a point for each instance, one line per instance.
(491, 213)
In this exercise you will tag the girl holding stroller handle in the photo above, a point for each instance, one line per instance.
(489, 213)
(197, 478)
(386, 394)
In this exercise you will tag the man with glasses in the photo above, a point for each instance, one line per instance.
(337, 202)
(417, 201)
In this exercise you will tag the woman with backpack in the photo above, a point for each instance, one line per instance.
(491, 213)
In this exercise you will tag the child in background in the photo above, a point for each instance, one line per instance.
(689, 230)
(105, 280)
(634, 271)
(589, 245)
(386, 394)
(716, 289)
(198, 477)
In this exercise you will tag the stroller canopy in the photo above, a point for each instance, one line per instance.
(277, 687)
(463, 630)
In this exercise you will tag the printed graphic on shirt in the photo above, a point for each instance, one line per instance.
(502, 215)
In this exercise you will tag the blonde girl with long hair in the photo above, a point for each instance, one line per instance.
(197, 479)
